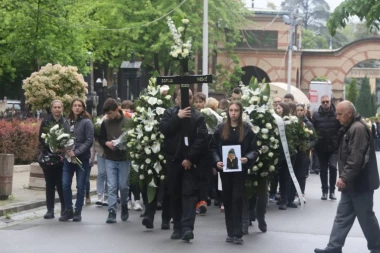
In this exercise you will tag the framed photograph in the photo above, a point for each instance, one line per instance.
(231, 158)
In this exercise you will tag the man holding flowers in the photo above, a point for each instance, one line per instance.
(117, 167)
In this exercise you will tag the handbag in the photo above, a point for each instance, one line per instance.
(48, 159)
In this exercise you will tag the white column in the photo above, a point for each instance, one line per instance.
(205, 46)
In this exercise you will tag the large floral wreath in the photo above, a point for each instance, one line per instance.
(144, 139)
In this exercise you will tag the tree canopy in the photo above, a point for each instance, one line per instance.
(365, 10)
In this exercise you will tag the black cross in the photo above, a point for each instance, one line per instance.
(184, 82)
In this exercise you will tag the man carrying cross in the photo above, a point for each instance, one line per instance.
(184, 145)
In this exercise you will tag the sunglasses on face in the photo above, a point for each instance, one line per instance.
(325, 102)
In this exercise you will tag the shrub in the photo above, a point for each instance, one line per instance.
(21, 139)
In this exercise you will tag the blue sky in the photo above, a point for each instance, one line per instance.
(263, 3)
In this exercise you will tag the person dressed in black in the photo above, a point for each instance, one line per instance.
(185, 144)
(232, 160)
(52, 163)
(234, 132)
(327, 127)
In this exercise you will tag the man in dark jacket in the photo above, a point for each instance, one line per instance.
(117, 166)
(327, 127)
(358, 179)
(184, 145)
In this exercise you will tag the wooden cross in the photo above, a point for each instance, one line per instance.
(184, 82)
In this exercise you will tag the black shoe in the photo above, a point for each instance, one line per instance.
(49, 214)
(148, 223)
(111, 217)
(332, 196)
(216, 202)
(124, 212)
(324, 196)
(165, 226)
(282, 206)
(67, 215)
(328, 250)
(175, 235)
(187, 236)
(292, 205)
(262, 225)
(238, 240)
(244, 231)
(208, 200)
(77, 216)
(142, 214)
(229, 239)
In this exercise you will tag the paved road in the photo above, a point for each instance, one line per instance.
(291, 231)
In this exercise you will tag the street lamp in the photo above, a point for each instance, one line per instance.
(205, 46)
(290, 21)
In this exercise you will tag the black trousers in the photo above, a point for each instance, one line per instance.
(184, 194)
(328, 163)
(53, 179)
(233, 197)
(135, 189)
(274, 184)
(301, 169)
(256, 207)
(150, 208)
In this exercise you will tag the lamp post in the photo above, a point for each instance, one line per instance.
(205, 46)
(93, 99)
(292, 23)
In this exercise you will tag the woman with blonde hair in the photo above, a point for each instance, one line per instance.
(212, 103)
(52, 163)
(83, 130)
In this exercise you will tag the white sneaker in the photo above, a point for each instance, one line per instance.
(99, 202)
(130, 205)
(105, 201)
(137, 206)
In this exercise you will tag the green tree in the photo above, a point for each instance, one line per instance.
(365, 10)
(352, 91)
(365, 104)
(312, 41)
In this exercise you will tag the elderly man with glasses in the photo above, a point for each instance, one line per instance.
(327, 127)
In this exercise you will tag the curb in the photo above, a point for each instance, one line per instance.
(24, 206)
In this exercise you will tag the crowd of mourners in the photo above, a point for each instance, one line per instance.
(194, 163)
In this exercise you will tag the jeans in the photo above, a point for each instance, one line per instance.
(53, 179)
(354, 205)
(88, 182)
(68, 172)
(101, 181)
(117, 178)
(328, 162)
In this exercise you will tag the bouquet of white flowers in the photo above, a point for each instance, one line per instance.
(60, 141)
(213, 119)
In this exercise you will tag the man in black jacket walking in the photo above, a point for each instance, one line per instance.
(358, 179)
(327, 127)
(184, 145)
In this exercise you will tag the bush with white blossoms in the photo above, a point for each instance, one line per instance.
(144, 139)
(180, 49)
(255, 99)
(54, 82)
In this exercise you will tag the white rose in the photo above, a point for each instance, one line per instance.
(150, 172)
(244, 97)
(271, 168)
(164, 161)
(138, 108)
(265, 98)
(148, 161)
(275, 161)
(174, 54)
(142, 177)
(271, 111)
(137, 156)
(185, 21)
(146, 138)
(249, 171)
(258, 143)
(162, 177)
(181, 29)
(256, 129)
(43, 136)
(272, 139)
(260, 164)
(148, 151)
(265, 136)
(168, 97)
(129, 145)
(161, 157)
(139, 147)
(153, 137)
(270, 154)
(255, 168)
(162, 136)
(268, 126)
(311, 132)
(159, 102)
(264, 131)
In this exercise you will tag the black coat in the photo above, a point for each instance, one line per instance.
(233, 165)
(357, 157)
(327, 126)
(175, 129)
(248, 147)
